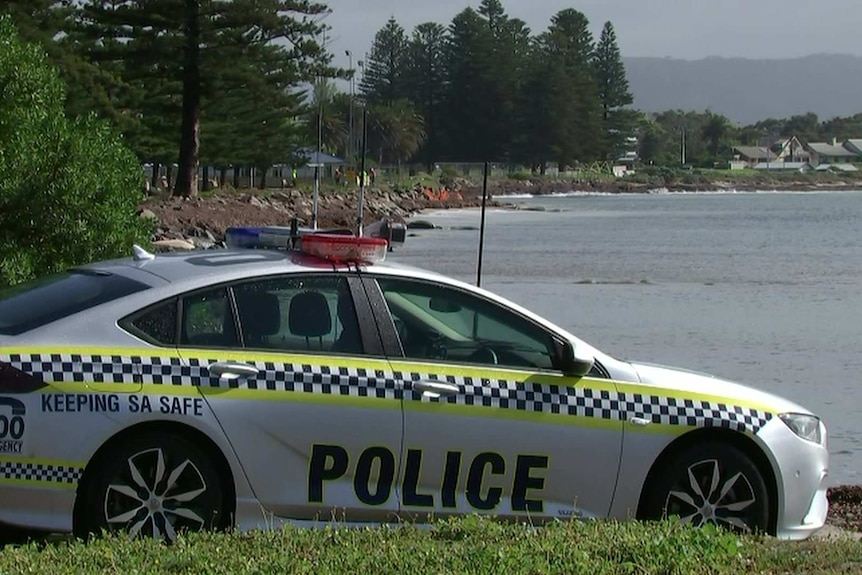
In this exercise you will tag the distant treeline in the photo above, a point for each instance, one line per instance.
(235, 75)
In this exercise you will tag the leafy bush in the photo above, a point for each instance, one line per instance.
(69, 188)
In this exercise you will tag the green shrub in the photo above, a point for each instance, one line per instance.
(69, 188)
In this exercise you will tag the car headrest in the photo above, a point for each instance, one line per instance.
(309, 315)
(259, 312)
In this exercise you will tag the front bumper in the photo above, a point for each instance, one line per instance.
(801, 470)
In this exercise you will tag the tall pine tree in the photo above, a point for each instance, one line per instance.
(613, 92)
(426, 84)
(566, 92)
(189, 44)
(383, 79)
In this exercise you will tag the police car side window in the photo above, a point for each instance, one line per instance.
(443, 324)
(208, 320)
(299, 314)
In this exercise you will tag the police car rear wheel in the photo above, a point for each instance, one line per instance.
(711, 483)
(154, 486)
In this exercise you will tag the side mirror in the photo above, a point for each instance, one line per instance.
(570, 362)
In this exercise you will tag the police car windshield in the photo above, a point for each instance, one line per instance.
(39, 302)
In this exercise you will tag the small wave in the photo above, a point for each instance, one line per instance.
(589, 281)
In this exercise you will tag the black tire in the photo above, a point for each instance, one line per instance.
(710, 483)
(155, 485)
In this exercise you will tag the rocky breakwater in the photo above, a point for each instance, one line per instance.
(189, 223)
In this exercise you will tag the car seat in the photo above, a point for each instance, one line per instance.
(309, 317)
(260, 316)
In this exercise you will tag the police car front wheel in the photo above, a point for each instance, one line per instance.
(711, 483)
(157, 486)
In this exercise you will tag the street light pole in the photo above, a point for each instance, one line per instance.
(360, 146)
(350, 117)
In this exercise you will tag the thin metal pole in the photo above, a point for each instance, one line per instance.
(350, 116)
(482, 225)
(361, 176)
(314, 201)
(317, 167)
(321, 92)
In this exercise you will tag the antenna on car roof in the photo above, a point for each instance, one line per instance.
(482, 225)
(142, 255)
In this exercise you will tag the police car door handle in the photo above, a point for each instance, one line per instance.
(435, 388)
(228, 370)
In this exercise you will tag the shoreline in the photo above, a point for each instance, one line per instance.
(203, 220)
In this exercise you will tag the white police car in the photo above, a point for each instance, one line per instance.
(241, 387)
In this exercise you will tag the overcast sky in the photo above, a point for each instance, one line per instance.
(689, 29)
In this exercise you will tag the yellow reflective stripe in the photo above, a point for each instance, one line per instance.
(40, 461)
(279, 396)
(38, 483)
(542, 417)
(84, 387)
(79, 350)
(125, 388)
(287, 357)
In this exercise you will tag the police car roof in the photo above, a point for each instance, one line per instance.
(204, 267)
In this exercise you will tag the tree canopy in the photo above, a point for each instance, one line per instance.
(232, 83)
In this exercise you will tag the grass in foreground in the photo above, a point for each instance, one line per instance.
(469, 545)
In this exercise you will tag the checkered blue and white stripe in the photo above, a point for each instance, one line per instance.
(358, 382)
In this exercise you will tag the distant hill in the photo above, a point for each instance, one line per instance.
(749, 90)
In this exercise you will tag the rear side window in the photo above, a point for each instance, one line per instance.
(208, 320)
(157, 325)
(33, 304)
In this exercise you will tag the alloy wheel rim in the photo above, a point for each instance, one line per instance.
(156, 496)
(705, 496)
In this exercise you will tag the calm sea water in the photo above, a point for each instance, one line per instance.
(763, 288)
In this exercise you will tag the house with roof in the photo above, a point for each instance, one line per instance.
(855, 146)
(750, 156)
(790, 150)
(830, 153)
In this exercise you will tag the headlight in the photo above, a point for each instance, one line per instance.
(803, 425)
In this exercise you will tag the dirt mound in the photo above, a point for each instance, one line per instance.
(204, 220)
